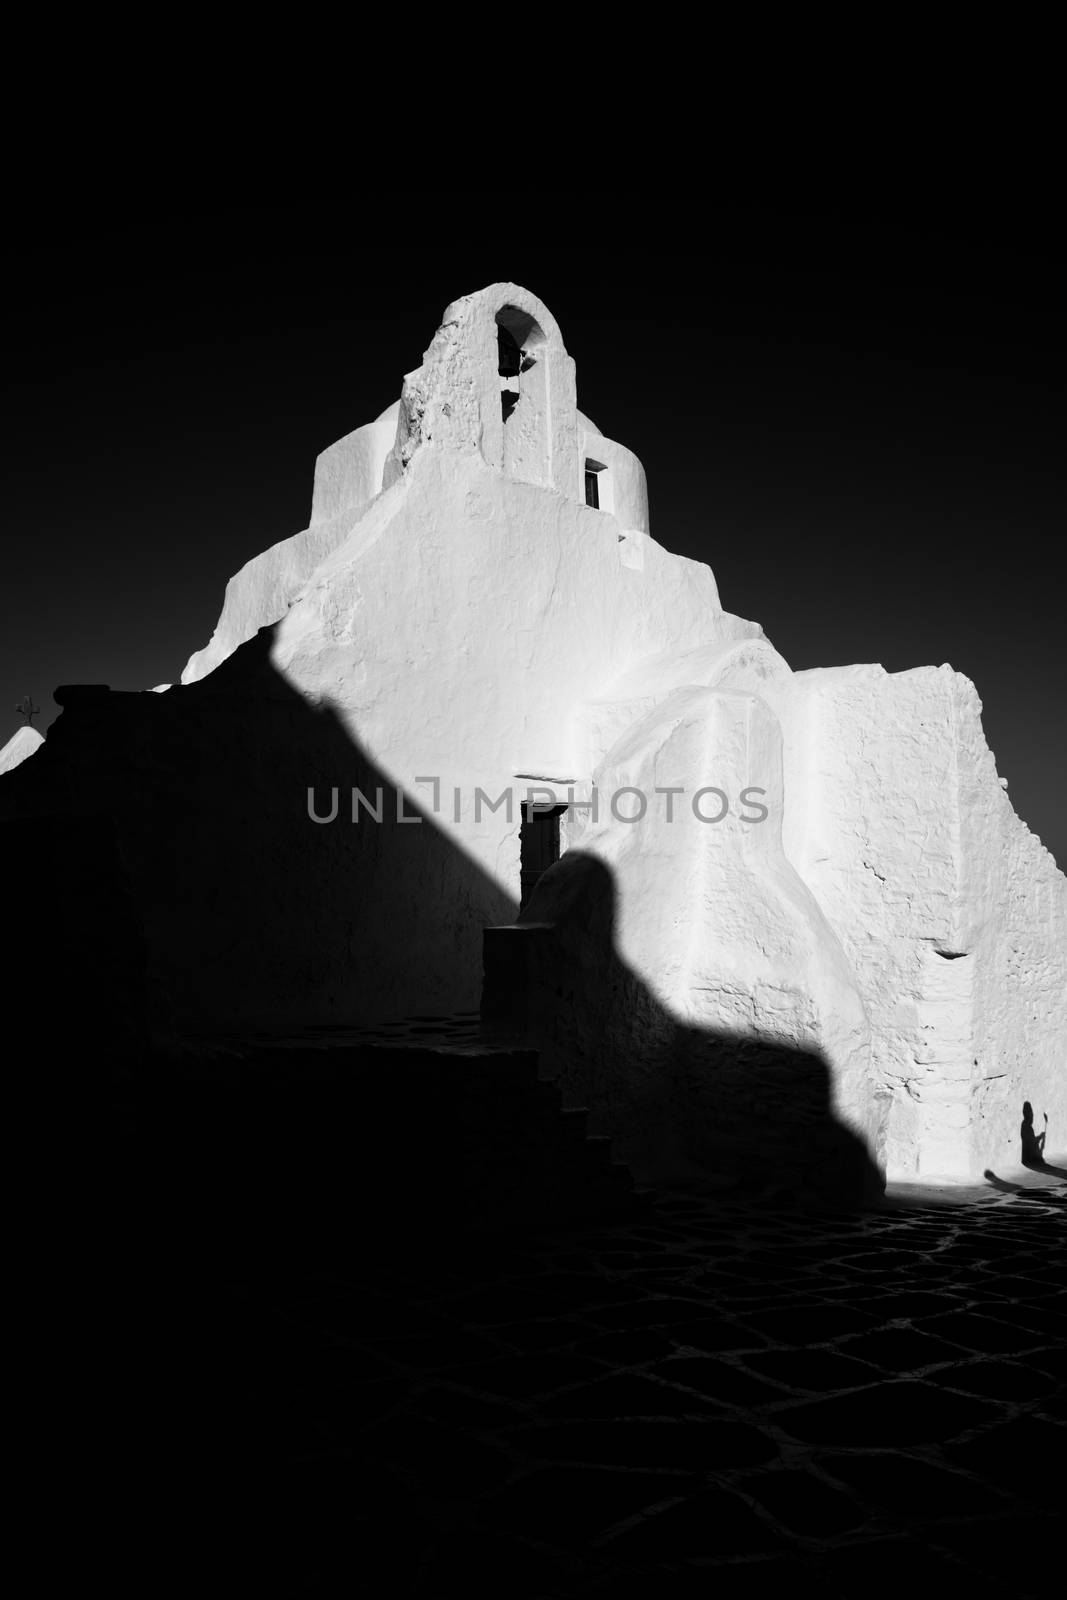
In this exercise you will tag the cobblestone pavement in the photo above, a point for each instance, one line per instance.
(729, 1396)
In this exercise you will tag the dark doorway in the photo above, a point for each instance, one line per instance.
(538, 846)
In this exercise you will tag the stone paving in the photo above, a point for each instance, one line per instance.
(730, 1395)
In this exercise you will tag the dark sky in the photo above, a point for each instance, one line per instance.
(855, 417)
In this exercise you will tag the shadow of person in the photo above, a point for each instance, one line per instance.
(1033, 1144)
(1001, 1184)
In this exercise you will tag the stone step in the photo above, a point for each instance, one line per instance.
(417, 1120)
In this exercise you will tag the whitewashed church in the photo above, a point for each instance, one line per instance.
(738, 899)
(479, 595)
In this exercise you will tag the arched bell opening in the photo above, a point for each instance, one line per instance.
(519, 337)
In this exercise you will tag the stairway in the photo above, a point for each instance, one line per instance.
(351, 1137)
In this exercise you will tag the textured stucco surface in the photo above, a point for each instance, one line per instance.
(953, 915)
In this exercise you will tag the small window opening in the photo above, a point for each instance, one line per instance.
(539, 846)
(508, 401)
(593, 469)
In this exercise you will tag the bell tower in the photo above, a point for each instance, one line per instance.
(496, 379)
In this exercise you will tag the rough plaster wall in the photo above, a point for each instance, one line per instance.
(720, 943)
(1014, 921)
(875, 836)
(455, 394)
(897, 821)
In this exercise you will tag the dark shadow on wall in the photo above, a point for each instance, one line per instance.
(253, 916)
(684, 1103)
(177, 898)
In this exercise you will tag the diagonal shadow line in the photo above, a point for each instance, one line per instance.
(178, 896)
